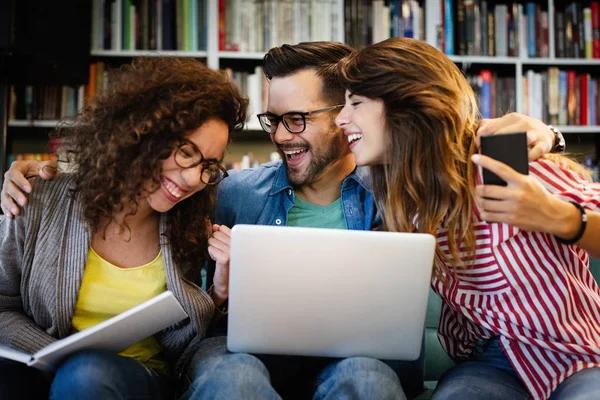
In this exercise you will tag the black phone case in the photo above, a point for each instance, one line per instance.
(510, 149)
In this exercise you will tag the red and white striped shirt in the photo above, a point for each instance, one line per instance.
(535, 293)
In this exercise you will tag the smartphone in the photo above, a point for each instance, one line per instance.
(510, 149)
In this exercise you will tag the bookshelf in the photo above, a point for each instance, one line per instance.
(230, 42)
(48, 46)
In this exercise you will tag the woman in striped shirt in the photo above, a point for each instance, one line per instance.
(521, 309)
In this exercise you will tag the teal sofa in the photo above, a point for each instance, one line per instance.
(436, 360)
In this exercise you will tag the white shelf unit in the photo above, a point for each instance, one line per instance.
(521, 63)
(33, 123)
(235, 55)
(148, 53)
(579, 129)
(213, 56)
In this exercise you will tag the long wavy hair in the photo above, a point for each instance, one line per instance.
(118, 142)
(427, 179)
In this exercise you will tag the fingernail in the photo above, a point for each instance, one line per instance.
(13, 210)
(475, 157)
(27, 188)
(21, 200)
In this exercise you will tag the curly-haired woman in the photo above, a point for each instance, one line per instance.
(131, 222)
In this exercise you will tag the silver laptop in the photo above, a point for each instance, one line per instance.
(328, 292)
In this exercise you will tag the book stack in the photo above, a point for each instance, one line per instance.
(257, 26)
(149, 25)
(562, 97)
(578, 31)
(44, 102)
(371, 22)
(496, 94)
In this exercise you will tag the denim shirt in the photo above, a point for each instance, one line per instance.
(264, 196)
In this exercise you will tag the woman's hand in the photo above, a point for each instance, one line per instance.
(218, 248)
(524, 202)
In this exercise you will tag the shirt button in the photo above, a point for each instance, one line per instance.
(290, 192)
(278, 221)
(351, 211)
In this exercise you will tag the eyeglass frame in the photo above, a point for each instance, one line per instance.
(202, 161)
(280, 118)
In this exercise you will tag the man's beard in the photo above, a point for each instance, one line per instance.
(319, 161)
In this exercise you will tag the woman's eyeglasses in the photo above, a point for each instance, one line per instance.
(187, 155)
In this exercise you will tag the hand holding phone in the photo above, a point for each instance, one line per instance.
(510, 149)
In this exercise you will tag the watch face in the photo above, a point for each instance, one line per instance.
(559, 141)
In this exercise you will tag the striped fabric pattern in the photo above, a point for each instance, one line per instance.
(534, 292)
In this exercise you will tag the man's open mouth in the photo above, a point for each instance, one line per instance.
(293, 156)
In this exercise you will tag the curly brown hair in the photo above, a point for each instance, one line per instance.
(118, 142)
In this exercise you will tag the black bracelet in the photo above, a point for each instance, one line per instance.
(581, 228)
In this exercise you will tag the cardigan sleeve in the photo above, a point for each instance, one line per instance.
(17, 330)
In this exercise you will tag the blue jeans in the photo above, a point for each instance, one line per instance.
(85, 375)
(216, 373)
(490, 376)
(105, 375)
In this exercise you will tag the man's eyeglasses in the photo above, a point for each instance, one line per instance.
(293, 121)
(187, 155)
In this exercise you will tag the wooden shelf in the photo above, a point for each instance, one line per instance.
(148, 53)
(524, 60)
(560, 61)
(484, 60)
(33, 123)
(579, 129)
(238, 55)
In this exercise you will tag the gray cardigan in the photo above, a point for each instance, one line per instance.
(43, 254)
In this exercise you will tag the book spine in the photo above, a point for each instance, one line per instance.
(560, 35)
(587, 29)
(449, 27)
(531, 31)
(595, 6)
(486, 94)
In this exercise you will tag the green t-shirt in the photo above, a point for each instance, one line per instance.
(312, 215)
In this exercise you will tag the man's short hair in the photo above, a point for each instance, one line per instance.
(319, 56)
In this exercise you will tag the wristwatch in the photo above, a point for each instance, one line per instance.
(559, 140)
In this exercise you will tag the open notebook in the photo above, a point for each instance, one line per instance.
(114, 334)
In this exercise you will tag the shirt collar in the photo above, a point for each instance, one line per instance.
(360, 175)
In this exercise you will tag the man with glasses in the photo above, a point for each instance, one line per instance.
(316, 185)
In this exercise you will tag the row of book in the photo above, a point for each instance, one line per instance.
(45, 102)
(29, 103)
(476, 28)
(255, 86)
(258, 25)
(149, 24)
(372, 22)
(562, 97)
(495, 94)
(578, 31)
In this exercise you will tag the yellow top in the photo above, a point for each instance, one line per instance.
(108, 290)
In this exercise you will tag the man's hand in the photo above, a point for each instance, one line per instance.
(16, 185)
(218, 248)
(523, 203)
(539, 137)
